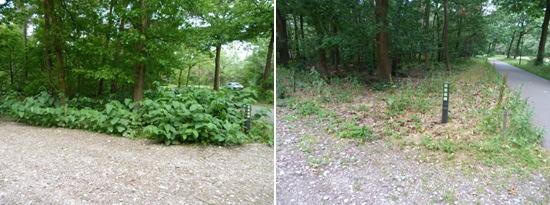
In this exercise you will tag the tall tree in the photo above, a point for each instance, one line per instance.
(54, 47)
(139, 67)
(383, 64)
(267, 67)
(446, 34)
(544, 33)
(282, 39)
(427, 11)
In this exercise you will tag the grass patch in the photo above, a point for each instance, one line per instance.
(353, 131)
(306, 144)
(444, 145)
(528, 65)
(413, 112)
(307, 108)
(408, 113)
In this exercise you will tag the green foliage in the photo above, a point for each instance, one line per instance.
(383, 86)
(353, 131)
(196, 115)
(185, 116)
(519, 131)
(444, 144)
(307, 108)
(542, 71)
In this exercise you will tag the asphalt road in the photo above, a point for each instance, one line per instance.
(535, 89)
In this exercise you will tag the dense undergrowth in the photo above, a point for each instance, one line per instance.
(488, 122)
(189, 115)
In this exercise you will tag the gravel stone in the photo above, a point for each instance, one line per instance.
(63, 166)
(380, 173)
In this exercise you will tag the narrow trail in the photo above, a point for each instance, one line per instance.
(63, 166)
(535, 89)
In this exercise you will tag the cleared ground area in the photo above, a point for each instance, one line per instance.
(314, 167)
(63, 166)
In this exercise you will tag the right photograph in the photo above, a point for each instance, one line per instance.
(412, 102)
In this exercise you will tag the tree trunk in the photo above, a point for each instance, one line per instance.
(458, 37)
(302, 36)
(188, 76)
(118, 53)
(427, 11)
(508, 51)
(282, 40)
(383, 64)
(139, 67)
(543, 35)
(52, 29)
(24, 27)
(446, 34)
(100, 87)
(12, 70)
(323, 60)
(179, 77)
(296, 37)
(520, 37)
(113, 86)
(107, 43)
(267, 66)
(217, 70)
(335, 50)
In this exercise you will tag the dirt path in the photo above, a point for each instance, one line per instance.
(316, 168)
(535, 89)
(62, 166)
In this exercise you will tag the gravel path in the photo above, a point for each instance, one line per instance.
(315, 168)
(535, 89)
(63, 166)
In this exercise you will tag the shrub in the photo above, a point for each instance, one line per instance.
(186, 115)
(520, 132)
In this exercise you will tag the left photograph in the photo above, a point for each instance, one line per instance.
(136, 102)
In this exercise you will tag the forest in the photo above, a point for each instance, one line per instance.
(117, 65)
(394, 85)
(386, 38)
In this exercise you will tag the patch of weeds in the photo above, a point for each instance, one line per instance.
(400, 102)
(416, 121)
(389, 130)
(340, 96)
(308, 108)
(518, 142)
(421, 104)
(353, 131)
(317, 162)
(306, 144)
(361, 107)
(444, 145)
(290, 117)
(449, 197)
(383, 86)
(261, 131)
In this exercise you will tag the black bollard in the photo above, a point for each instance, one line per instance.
(247, 124)
(445, 110)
